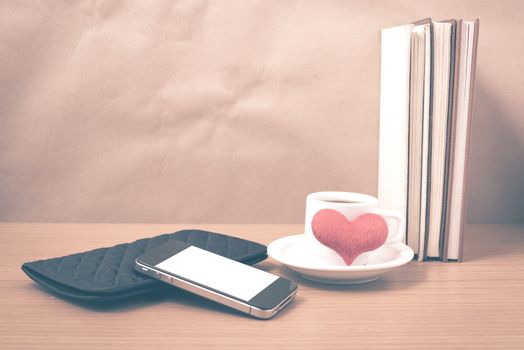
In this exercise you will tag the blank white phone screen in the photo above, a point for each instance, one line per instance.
(220, 273)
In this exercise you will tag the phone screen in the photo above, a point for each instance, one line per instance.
(228, 276)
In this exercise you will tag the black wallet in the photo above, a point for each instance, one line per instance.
(106, 274)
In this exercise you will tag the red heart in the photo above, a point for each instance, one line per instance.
(349, 238)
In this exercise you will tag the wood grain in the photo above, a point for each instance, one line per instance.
(472, 305)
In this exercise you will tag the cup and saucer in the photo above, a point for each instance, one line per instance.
(314, 261)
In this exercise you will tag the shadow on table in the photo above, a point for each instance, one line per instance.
(164, 294)
(399, 279)
(494, 184)
(145, 299)
(492, 241)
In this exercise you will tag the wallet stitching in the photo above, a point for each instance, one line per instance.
(59, 266)
(115, 278)
(93, 279)
(78, 265)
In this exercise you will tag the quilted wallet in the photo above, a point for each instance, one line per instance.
(106, 274)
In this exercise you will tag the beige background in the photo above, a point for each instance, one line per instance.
(226, 111)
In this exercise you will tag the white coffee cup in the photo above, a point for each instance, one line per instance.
(351, 205)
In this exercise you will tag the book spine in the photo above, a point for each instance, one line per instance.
(468, 138)
(423, 245)
(457, 25)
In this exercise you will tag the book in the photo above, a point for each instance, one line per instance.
(394, 111)
(426, 124)
(466, 76)
(427, 71)
(416, 119)
(450, 144)
(441, 118)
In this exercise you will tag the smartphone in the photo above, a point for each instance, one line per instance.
(212, 276)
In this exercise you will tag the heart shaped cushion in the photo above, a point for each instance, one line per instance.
(349, 238)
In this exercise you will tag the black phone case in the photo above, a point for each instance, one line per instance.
(106, 274)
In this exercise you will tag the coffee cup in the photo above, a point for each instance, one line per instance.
(351, 205)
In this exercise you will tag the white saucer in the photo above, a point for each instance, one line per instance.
(290, 252)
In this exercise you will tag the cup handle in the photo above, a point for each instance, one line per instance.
(399, 220)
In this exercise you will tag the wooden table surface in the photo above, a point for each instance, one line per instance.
(476, 304)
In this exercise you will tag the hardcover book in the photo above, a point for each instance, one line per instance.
(427, 78)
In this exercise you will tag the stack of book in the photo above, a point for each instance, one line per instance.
(427, 76)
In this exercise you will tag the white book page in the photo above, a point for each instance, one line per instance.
(442, 45)
(394, 112)
(416, 115)
(464, 87)
(425, 143)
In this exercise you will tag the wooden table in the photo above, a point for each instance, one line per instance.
(476, 304)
